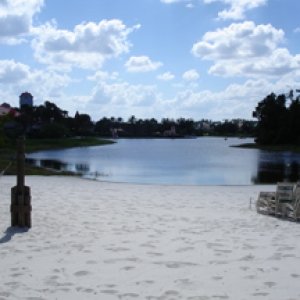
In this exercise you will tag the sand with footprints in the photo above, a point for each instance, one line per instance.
(101, 240)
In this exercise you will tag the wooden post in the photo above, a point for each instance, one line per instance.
(20, 194)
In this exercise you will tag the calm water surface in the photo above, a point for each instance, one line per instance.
(202, 161)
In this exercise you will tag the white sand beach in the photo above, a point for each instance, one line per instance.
(100, 240)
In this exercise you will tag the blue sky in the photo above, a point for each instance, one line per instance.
(211, 59)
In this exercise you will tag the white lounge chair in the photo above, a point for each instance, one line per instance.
(292, 210)
(262, 202)
(296, 192)
(284, 195)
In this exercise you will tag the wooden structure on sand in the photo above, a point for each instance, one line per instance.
(20, 194)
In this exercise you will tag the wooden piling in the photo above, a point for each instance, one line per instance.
(20, 194)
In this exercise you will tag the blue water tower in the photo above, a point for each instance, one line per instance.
(26, 99)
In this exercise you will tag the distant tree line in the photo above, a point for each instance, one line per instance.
(278, 121)
(49, 121)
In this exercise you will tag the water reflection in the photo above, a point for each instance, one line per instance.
(48, 164)
(282, 167)
(82, 168)
(203, 161)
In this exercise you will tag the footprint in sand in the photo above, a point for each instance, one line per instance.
(165, 296)
(220, 297)
(128, 295)
(81, 273)
(270, 284)
(247, 258)
(176, 264)
(184, 249)
(172, 293)
(89, 291)
(145, 282)
(5, 294)
(128, 268)
(112, 292)
(12, 284)
(217, 277)
(91, 262)
(17, 274)
(154, 254)
(260, 294)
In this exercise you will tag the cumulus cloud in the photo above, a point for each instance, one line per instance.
(237, 99)
(124, 94)
(16, 18)
(100, 76)
(243, 49)
(144, 101)
(88, 46)
(190, 75)
(11, 72)
(236, 11)
(141, 64)
(165, 76)
(237, 8)
(16, 78)
(279, 63)
(238, 41)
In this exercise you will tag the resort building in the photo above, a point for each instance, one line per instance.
(171, 132)
(5, 108)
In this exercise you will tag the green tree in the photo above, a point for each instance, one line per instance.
(83, 124)
(54, 130)
(103, 127)
(4, 119)
(185, 126)
(278, 123)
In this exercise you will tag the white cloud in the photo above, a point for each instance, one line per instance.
(236, 100)
(178, 85)
(88, 46)
(237, 7)
(11, 72)
(165, 76)
(141, 64)
(279, 63)
(243, 49)
(236, 11)
(124, 95)
(42, 84)
(190, 75)
(239, 41)
(16, 18)
(297, 30)
(101, 76)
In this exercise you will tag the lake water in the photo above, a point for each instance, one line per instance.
(201, 161)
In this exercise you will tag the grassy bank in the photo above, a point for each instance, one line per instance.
(8, 153)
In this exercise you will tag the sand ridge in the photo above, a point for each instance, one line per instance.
(100, 240)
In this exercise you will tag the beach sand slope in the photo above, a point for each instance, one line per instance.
(100, 240)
